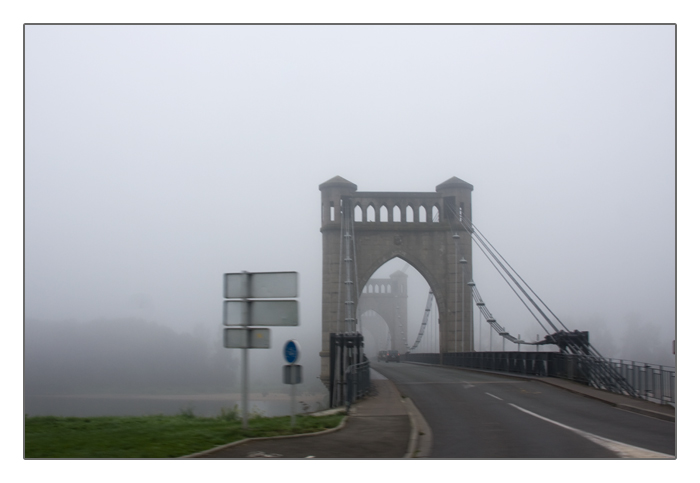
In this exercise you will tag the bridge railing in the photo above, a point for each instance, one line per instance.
(358, 380)
(653, 383)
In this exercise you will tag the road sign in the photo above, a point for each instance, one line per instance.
(246, 338)
(260, 285)
(292, 374)
(262, 312)
(291, 351)
(248, 312)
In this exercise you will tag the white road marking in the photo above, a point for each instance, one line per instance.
(495, 397)
(462, 382)
(622, 449)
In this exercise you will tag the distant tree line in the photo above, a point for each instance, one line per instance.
(122, 356)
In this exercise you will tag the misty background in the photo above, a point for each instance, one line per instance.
(158, 158)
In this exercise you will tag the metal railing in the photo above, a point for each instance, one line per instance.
(358, 382)
(346, 351)
(651, 382)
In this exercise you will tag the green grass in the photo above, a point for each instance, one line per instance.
(153, 436)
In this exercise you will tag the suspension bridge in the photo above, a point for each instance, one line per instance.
(434, 233)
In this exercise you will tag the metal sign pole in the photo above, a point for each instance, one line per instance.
(293, 401)
(246, 322)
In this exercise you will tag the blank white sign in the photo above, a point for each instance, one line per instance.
(262, 312)
(246, 338)
(260, 285)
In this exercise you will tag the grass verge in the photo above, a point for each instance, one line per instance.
(153, 436)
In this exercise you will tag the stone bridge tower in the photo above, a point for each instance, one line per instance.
(423, 229)
(388, 297)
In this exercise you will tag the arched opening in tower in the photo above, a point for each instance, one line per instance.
(393, 308)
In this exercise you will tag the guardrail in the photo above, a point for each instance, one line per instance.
(651, 382)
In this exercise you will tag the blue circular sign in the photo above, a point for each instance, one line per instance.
(291, 351)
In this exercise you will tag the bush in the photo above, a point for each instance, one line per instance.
(230, 414)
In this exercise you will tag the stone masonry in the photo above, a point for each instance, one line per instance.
(421, 228)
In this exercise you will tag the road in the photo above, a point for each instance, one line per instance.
(479, 415)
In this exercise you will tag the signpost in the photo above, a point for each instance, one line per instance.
(292, 371)
(245, 312)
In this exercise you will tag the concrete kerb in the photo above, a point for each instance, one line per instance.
(420, 442)
(247, 440)
(644, 412)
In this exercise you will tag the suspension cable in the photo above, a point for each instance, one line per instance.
(518, 275)
(500, 330)
(518, 285)
(426, 316)
(514, 291)
(482, 245)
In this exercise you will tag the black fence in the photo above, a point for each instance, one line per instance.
(349, 369)
(358, 382)
(650, 382)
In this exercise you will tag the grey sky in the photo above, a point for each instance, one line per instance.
(160, 157)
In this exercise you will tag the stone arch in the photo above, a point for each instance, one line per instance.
(370, 213)
(422, 214)
(410, 214)
(391, 305)
(396, 214)
(358, 213)
(378, 333)
(383, 214)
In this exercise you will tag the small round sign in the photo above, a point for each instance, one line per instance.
(291, 351)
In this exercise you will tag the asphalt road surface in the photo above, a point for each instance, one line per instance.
(478, 415)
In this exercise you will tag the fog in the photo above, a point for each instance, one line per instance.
(158, 158)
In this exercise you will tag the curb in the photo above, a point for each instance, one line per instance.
(287, 436)
(417, 442)
(413, 438)
(647, 412)
(421, 440)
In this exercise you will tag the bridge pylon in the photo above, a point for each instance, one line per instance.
(424, 229)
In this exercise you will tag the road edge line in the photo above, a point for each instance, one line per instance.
(624, 450)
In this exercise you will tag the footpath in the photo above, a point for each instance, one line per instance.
(384, 425)
(378, 426)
